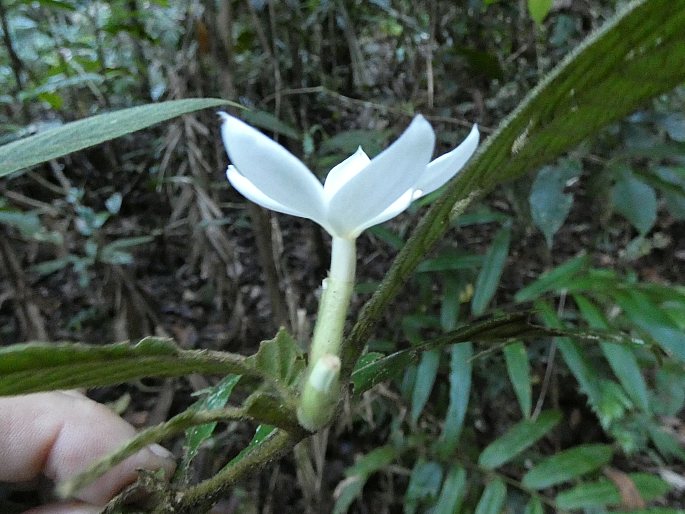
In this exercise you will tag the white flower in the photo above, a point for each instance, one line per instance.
(357, 193)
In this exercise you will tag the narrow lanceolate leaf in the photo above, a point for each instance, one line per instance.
(377, 370)
(653, 320)
(492, 500)
(426, 372)
(493, 265)
(570, 104)
(568, 465)
(348, 490)
(519, 437)
(424, 483)
(622, 359)
(32, 367)
(382, 369)
(87, 132)
(582, 369)
(604, 492)
(555, 279)
(453, 492)
(493, 330)
(460, 389)
(518, 369)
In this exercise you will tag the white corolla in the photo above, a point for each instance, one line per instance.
(357, 193)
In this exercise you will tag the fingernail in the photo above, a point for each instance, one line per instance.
(160, 451)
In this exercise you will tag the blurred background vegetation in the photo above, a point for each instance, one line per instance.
(143, 235)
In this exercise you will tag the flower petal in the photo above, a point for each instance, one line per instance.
(252, 193)
(386, 178)
(398, 206)
(344, 172)
(272, 170)
(442, 169)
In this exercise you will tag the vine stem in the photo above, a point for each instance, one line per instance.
(201, 497)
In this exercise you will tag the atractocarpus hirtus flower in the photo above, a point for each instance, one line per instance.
(357, 194)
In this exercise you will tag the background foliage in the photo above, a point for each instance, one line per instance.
(141, 235)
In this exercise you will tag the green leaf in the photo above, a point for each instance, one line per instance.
(351, 488)
(272, 410)
(424, 484)
(28, 223)
(452, 290)
(348, 141)
(113, 203)
(604, 492)
(496, 329)
(655, 510)
(426, 372)
(380, 370)
(127, 242)
(279, 358)
(635, 200)
(269, 122)
(519, 437)
(606, 397)
(554, 279)
(262, 434)
(583, 371)
(653, 320)
(549, 205)
(87, 132)
(518, 369)
(452, 493)
(490, 273)
(216, 397)
(534, 506)
(451, 259)
(670, 389)
(570, 104)
(374, 461)
(346, 492)
(492, 500)
(567, 465)
(665, 442)
(621, 359)
(460, 389)
(32, 367)
(539, 9)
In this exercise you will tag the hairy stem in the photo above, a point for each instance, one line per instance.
(201, 497)
(151, 435)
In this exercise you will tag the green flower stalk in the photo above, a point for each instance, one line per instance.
(357, 194)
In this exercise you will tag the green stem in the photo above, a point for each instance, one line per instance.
(175, 425)
(321, 390)
(202, 496)
(335, 300)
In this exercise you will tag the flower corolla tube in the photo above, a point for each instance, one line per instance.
(358, 193)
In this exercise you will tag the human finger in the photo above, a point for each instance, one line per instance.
(60, 434)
